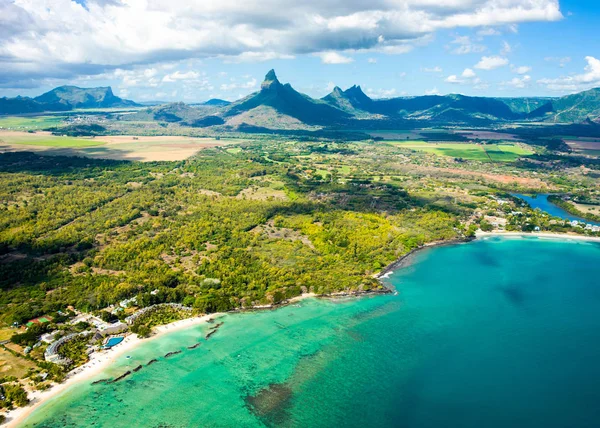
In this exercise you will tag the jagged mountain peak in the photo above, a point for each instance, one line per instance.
(270, 80)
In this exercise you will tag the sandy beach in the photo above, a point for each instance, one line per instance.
(103, 359)
(549, 235)
(98, 362)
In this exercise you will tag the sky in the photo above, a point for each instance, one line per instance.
(191, 51)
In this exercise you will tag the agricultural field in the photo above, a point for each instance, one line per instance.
(585, 146)
(45, 139)
(30, 122)
(120, 147)
(502, 152)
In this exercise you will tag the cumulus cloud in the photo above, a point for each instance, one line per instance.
(334, 58)
(178, 75)
(518, 82)
(468, 76)
(491, 62)
(63, 38)
(524, 69)
(464, 45)
(588, 79)
(468, 73)
(436, 69)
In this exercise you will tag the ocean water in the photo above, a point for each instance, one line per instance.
(541, 201)
(501, 332)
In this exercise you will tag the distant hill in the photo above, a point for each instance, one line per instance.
(173, 112)
(573, 108)
(21, 105)
(448, 108)
(216, 102)
(75, 97)
(64, 98)
(278, 106)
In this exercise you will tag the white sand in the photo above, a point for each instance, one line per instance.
(97, 363)
(102, 359)
(549, 235)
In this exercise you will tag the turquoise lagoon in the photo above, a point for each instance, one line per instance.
(501, 332)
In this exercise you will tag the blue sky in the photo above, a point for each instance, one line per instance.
(171, 50)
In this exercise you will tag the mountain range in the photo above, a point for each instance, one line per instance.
(280, 106)
(64, 98)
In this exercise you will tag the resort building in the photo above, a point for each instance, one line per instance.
(52, 354)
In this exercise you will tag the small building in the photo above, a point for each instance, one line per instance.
(49, 337)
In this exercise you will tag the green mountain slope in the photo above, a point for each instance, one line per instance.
(571, 108)
(286, 100)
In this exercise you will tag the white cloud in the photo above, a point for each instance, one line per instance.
(468, 73)
(484, 32)
(372, 60)
(524, 69)
(590, 78)
(466, 46)
(436, 69)
(506, 48)
(178, 75)
(562, 61)
(334, 58)
(518, 82)
(453, 79)
(62, 38)
(233, 85)
(491, 62)
(468, 76)
(381, 93)
(433, 91)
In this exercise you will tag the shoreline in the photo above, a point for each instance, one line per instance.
(404, 260)
(100, 361)
(548, 235)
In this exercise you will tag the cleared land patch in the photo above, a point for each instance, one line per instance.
(45, 139)
(119, 147)
(11, 365)
(586, 146)
(33, 122)
(469, 151)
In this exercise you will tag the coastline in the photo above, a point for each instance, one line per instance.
(549, 235)
(404, 260)
(101, 360)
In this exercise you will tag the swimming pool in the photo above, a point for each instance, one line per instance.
(112, 342)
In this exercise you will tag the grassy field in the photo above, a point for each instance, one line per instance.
(33, 122)
(13, 366)
(470, 151)
(45, 139)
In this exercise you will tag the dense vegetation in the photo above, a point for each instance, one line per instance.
(89, 233)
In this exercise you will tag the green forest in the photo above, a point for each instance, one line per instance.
(89, 233)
